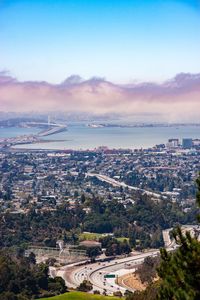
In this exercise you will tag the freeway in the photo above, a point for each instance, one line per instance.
(95, 273)
(75, 274)
(166, 238)
(122, 184)
(171, 243)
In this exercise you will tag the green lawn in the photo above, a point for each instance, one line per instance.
(90, 236)
(80, 296)
(121, 239)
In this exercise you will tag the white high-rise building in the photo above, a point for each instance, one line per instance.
(173, 143)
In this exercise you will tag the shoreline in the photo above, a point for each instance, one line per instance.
(83, 139)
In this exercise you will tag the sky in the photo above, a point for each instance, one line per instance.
(129, 57)
(123, 41)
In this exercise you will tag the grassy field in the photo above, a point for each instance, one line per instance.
(80, 296)
(121, 239)
(90, 236)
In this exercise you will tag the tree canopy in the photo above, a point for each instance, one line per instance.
(180, 271)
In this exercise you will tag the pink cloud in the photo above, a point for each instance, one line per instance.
(177, 99)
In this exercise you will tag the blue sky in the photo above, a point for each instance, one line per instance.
(121, 40)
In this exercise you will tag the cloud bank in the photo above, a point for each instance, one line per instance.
(177, 99)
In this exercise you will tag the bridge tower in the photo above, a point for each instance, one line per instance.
(49, 120)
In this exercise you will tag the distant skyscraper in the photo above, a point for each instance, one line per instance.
(173, 143)
(196, 142)
(187, 143)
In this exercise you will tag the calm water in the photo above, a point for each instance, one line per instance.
(15, 131)
(82, 137)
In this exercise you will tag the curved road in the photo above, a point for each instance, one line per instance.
(95, 273)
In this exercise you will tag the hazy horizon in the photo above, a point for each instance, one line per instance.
(175, 100)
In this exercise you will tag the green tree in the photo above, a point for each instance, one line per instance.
(180, 271)
(85, 286)
(93, 252)
(83, 198)
(57, 285)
